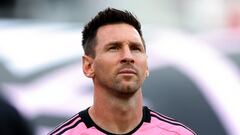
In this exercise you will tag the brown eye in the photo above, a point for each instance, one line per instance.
(136, 48)
(113, 48)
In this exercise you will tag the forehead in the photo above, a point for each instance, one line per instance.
(117, 32)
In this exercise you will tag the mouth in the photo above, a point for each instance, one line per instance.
(127, 71)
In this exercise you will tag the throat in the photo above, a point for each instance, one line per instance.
(122, 120)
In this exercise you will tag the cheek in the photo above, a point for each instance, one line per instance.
(102, 67)
(143, 64)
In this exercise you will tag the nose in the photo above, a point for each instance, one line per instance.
(127, 56)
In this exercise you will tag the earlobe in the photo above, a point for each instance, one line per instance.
(87, 66)
(147, 73)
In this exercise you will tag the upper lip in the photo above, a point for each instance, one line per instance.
(127, 71)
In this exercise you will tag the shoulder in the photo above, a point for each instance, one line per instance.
(71, 124)
(169, 124)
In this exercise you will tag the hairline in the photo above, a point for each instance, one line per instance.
(94, 39)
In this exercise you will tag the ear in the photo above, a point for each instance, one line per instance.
(147, 71)
(87, 65)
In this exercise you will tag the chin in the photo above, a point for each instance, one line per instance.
(126, 87)
(129, 89)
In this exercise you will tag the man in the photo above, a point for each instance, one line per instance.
(115, 58)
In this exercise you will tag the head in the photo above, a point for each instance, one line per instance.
(115, 54)
(105, 17)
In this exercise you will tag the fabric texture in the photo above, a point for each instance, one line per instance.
(152, 123)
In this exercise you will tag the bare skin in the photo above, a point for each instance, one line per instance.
(118, 71)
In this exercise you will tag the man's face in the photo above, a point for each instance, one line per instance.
(120, 64)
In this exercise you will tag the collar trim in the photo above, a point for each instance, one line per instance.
(90, 123)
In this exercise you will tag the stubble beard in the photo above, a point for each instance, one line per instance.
(121, 86)
(125, 88)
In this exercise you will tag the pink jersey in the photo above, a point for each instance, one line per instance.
(152, 123)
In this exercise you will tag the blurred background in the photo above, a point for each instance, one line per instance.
(193, 51)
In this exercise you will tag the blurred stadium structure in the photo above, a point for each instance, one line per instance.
(193, 48)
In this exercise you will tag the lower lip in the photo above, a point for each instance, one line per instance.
(126, 73)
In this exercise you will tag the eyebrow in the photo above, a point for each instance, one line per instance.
(120, 43)
(114, 43)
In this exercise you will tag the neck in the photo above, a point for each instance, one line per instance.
(124, 114)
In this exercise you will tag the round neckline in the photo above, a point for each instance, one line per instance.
(90, 123)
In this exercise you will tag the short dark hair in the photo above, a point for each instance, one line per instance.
(107, 16)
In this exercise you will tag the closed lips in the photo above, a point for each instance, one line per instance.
(127, 71)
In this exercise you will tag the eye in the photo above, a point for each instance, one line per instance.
(113, 48)
(136, 48)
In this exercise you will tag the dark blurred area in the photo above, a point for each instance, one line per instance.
(7, 8)
(12, 122)
(175, 94)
